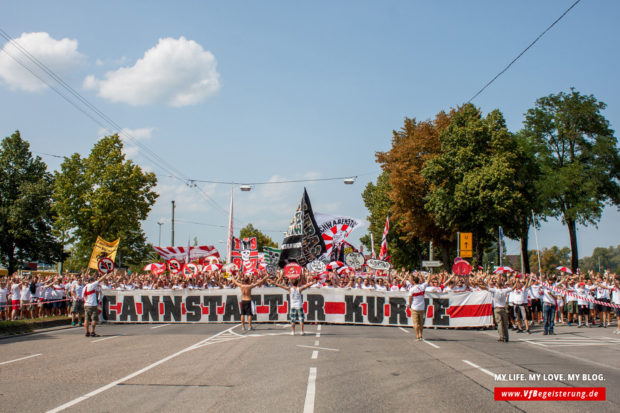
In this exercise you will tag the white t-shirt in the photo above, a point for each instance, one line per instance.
(535, 291)
(615, 296)
(25, 294)
(16, 292)
(499, 296)
(59, 291)
(90, 293)
(602, 292)
(582, 294)
(296, 299)
(520, 296)
(547, 298)
(77, 291)
(4, 293)
(380, 287)
(417, 296)
(570, 297)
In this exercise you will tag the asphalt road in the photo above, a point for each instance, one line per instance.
(218, 367)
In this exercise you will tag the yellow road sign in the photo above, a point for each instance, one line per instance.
(466, 244)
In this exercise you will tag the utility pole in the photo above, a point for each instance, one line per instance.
(172, 224)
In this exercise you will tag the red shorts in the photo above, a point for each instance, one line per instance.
(16, 304)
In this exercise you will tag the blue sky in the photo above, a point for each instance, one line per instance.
(251, 91)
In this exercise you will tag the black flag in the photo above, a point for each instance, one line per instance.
(303, 242)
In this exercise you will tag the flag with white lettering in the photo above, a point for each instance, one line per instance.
(334, 230)
(303, 242)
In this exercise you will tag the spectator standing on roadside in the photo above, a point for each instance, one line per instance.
(418, 305)
(550, 302)
(77, 303)
(4, 294)
(89, 294)
(246, 299)
(500, 294)
(297, 311)
(15, 298)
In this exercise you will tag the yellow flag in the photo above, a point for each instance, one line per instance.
(103, 249)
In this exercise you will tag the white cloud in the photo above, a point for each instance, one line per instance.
(61, 56)
(130, 138)
(177, 72)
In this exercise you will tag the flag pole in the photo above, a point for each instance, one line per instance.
(536, 235)
(230, 228)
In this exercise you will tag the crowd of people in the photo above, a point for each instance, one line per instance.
(520, 301)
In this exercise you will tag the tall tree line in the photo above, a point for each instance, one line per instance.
(466, 172)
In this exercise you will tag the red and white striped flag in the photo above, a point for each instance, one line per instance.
(383, 250)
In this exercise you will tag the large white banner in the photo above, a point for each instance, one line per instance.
(324, 305)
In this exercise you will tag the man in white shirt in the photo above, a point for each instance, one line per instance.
(417, 304)
(615, 299)
(89, 295)
(500, 295)
(603, 295)
(549, 300)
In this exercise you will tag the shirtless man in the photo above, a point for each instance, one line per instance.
(246, 299)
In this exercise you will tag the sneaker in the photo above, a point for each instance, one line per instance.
(252, 328)
(81, 324)
(528, 331)
(569, 324)
(73, 323)
(94, 335)
(87, 335)
(243, 328)
(302, 334)
(579, 326)
(519, 331)
(292, 333)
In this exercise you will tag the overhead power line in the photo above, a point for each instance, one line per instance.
(75, 99)
(523, 52)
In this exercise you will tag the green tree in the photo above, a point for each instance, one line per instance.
(261, 239)
(579, 156)
(104, 194)
(472, 180)
(412, 146)
(602, 259)
(550, 258)
(404, 252)
(25, 206)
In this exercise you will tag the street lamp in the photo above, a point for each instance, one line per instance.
(160, 223)
(245, 188)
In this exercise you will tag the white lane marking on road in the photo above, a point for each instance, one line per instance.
(431, 344)
(315, 354)
(406, 331)
(105, 338)
(479, 368)
(319, 348)
(163, 325)
(310, 391)
(21, 358)
(316, 343)
(136, 373)
(318, 334)
(318, 328)
(533, 342)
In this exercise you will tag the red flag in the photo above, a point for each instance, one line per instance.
(383, 250)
